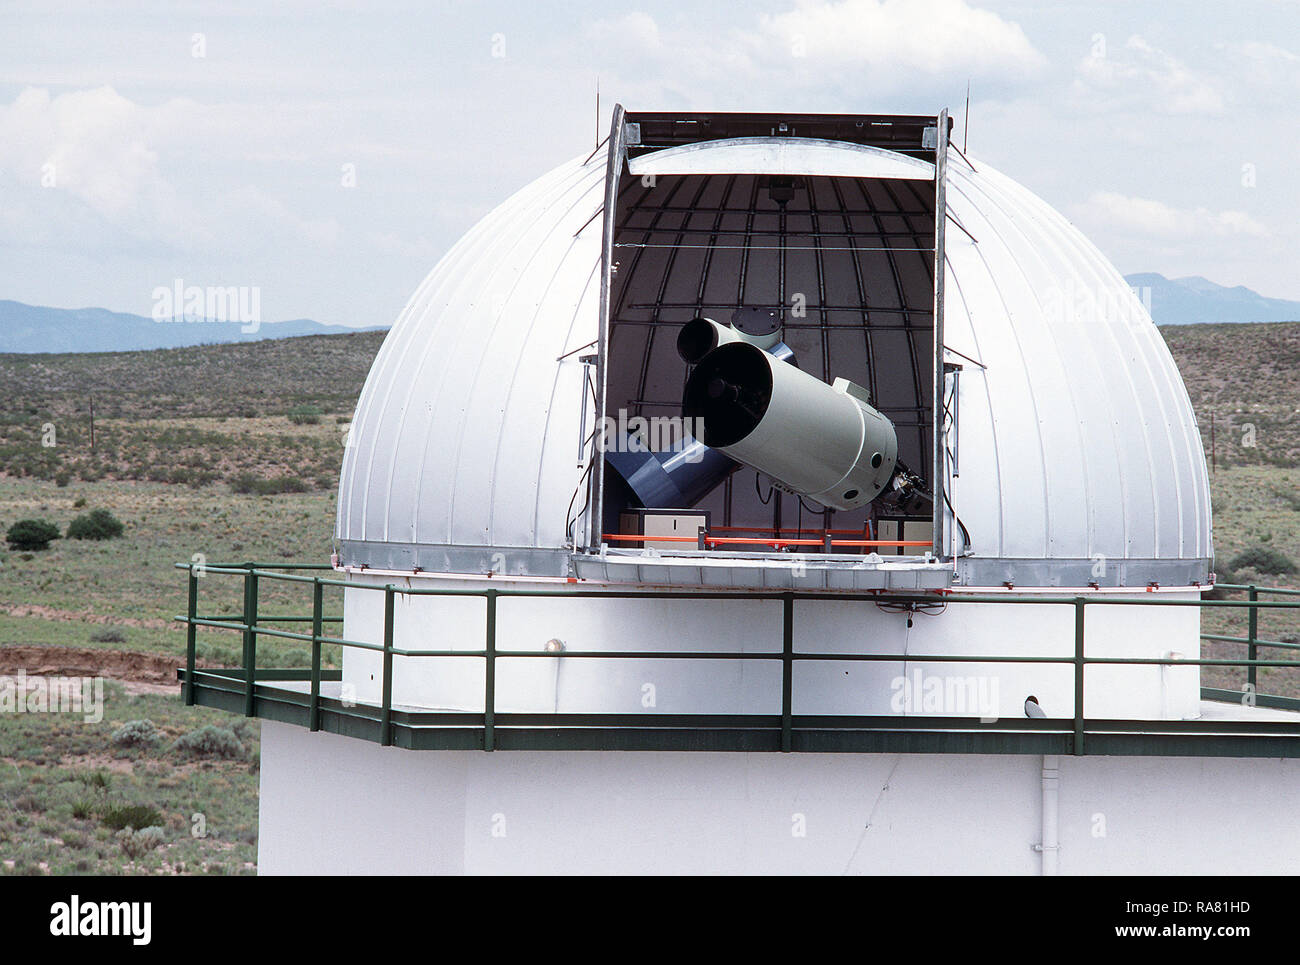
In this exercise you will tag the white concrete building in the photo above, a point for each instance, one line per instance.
(1058, 518)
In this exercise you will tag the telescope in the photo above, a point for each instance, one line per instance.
(822, 441)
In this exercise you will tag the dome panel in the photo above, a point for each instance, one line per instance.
(1077, 438)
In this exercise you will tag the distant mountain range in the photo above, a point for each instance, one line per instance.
(1193, 300)
(33, 328)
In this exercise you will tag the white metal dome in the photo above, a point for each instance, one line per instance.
(1078, 443)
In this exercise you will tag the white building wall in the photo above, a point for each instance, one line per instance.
(334, 805)
(618, 685)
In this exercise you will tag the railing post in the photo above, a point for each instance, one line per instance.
(1252, 635)
(787, 671)
(191, 642)
(250, 639)
(1078, 675)
(490, 674)
(386, 713)
(317, 612)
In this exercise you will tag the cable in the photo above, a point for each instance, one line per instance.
(909, 607)
(815, 512)
(568, 530)
(965, 534)
(568, 513)
(571, 520)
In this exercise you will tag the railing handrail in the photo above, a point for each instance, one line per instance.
(1016, 595)
(251, 626)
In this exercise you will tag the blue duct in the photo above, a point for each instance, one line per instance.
(681, 477)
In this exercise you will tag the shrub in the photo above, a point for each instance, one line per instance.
(97, 524)
(221, 656)
(100, 781)
(301, 415)
(79, 502)
(62, 478)
(1262, 560)
(108, 636)
(247, 482)
(136, 733)
(31, 534)
(287, 484)
(136, 844)
(210, 741)
(84, 807)
(119, 816)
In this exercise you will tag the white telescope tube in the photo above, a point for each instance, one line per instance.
(814, 439)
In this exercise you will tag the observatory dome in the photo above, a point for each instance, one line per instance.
(1074, 455)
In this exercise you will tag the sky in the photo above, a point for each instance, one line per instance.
(329, 154)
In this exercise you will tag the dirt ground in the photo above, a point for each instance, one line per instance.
(138, 672)
(80, 616)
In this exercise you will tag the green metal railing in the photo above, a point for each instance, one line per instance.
(250, 689)
(1253, 643)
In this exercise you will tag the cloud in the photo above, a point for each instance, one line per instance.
(89, 166)
(1155, 219)
(1142, 78)
(927, 36)
(90, 143)
(1263, 52)
(635, 30)
(828, 50)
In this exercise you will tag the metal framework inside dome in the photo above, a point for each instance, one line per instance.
(848, 264)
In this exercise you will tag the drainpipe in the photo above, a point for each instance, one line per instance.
(1051, 813)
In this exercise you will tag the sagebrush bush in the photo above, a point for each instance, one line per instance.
(135, 843)
(97, 524)
(31, 534)
(1262, 560)
(210, 741)
(304, 415)
(136, 733)
(108, 636)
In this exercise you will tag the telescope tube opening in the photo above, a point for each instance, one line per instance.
(817, 440)
(729, 390)
(697, 339)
